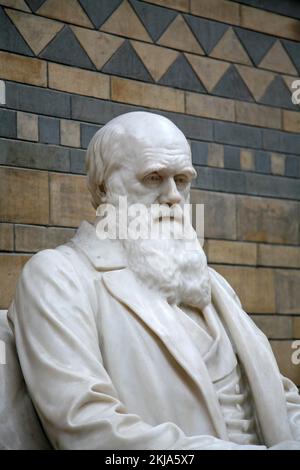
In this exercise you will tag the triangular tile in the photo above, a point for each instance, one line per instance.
(278, 94)
(207, 32)
(37, 31)
(293, 49)
(289, 82)
(156, 19)
(179, 36)
(229, 48)
(181, 75)
(98, 46)
(208, 70)
(65, 48)
(67, 10)
(125, 22)
(231, 85)
(10, 38)
(127, 63)
(18, 4)
(99, 11)
(35, 4)
(156, 59)
(256, 80)
(278, 60)
(256, 44)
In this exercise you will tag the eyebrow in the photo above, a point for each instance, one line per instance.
(188, 170)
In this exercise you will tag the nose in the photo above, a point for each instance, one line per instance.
(170, 194)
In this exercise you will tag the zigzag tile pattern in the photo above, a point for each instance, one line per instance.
(144, 41)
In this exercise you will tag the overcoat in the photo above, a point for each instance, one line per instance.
(109, 364)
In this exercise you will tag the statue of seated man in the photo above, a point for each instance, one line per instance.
(135, 343)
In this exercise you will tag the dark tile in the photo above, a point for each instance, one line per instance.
(192, 127)
(292, 166)
(126, 62)
(35, 4)
(37, 100)
(204, 179)
(256, 44)
(277, 94)
(97, 111)
(8, 123)
(207, 32)
(77, 161)
(232, 158)
(29, 155)
(48, 130)
(229, 181)
(155, 19)
(231, 85)
(272, 186)
(279, 141)
(286, 7)
(262, 162)
(199, 152)
(181, 75)
(237, 134)
(293, 49)
(216, 179)
(66, 49)
(99, 11)
(10, 38)
(87, 131)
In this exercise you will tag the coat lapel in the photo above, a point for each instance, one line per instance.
(258, 360)
(161, 319)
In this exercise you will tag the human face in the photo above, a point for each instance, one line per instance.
(155, 173)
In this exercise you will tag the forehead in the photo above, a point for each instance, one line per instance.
(168, 151)
(160, 158)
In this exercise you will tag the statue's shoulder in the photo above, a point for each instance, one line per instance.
(50, 262)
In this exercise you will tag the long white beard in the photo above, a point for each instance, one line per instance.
(176, 268)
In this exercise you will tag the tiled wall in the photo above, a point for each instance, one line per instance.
(221, 70)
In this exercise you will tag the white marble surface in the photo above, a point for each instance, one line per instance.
(19, 425)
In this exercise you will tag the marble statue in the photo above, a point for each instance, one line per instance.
(135, 343)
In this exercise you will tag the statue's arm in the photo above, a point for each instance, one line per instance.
(57, 342)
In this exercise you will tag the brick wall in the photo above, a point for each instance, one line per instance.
(221, 70)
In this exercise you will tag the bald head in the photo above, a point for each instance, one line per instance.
(131, 139)
(149, 129)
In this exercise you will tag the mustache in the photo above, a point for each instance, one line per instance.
(166, 213)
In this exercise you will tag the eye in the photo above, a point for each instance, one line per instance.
(181, 181)
(153, 179)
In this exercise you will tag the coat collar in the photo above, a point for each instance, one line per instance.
(105, 255)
